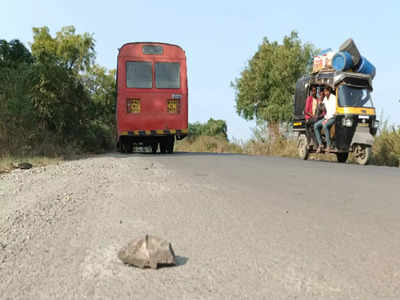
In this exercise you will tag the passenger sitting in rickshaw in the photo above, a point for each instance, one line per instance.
(313, 112)
(328, 120)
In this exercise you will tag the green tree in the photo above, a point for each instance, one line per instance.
(101, 85)
(211, 128)
(16, 108)
(59, 94)
(266, 86)
(68, 49)
(14, 53)
(61, 101)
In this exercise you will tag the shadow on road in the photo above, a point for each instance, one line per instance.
(181, 260)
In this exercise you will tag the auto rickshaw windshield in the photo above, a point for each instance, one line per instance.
(354, 97)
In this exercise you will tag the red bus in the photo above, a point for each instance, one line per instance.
(152, 96)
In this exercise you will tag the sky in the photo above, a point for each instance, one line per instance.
(219, 38)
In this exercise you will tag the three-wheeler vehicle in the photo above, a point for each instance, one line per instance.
(355, 122)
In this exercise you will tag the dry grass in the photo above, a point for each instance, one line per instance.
(214, 144)
(277, 147)
(386, 149)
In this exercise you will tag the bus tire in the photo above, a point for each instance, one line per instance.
(122, 147)
(342, 157)
(154, 147)
(170, 145)
(128, 147)
(163, 147)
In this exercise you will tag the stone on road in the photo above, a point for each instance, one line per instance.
(149, 251)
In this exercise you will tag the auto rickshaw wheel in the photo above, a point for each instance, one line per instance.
(342, 157)
(303, 147)
(362, 154)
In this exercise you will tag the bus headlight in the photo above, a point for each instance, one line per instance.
(375, 124)
(347, 122)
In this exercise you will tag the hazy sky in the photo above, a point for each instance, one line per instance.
(219, 37)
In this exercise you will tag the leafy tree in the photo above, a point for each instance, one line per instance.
(61, 100)
(101, 85)
(56, 93)
(265, 89)
(211, 128)
(16, 74)
(14, 53)
(73, 51)
(59, 93)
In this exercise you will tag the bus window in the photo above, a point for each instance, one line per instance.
(168, 75)
(139, 74)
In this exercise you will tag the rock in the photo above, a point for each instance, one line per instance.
(150, 252)
(24, 166)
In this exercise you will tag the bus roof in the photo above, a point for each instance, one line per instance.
(124, 46)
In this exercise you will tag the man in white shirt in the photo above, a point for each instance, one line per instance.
(328, 120)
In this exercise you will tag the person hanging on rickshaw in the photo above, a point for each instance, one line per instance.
(313, 112)
(327, 121)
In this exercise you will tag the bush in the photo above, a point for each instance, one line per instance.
(216, 144)
(280, 146)
(211, 128)
(386, 148)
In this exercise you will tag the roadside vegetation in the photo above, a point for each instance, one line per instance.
(265, 88)
(208, 137)
(386, 149)
(212, 137)
(55, 101)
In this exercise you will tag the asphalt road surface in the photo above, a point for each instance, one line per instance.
(242, 227)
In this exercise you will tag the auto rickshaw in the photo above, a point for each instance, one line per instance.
(355, 123)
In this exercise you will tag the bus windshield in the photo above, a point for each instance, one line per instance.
(354, 97)
(167, 75)
(139, 74)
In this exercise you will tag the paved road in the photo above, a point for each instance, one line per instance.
(243, 227)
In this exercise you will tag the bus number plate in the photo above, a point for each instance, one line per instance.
(134, 106)
(173, 106)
